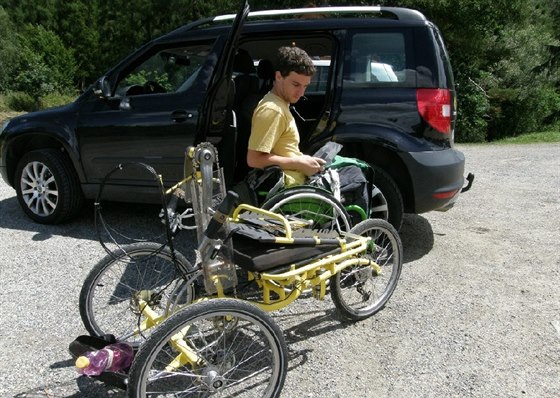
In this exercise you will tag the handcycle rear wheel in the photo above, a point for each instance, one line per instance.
(313, 204)
(109, 296)
(235, 349)
(357, 291)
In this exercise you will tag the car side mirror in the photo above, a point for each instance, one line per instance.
(102, 88)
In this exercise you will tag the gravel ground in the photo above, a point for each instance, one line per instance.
(476, 312)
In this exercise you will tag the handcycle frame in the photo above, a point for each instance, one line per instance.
(277, 286)
(315, 274)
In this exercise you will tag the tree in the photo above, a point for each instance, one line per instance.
(127, 25)
(9, 54)
(78, 29)
(35, 12)
(46, 65)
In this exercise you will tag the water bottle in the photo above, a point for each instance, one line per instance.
(113, 358)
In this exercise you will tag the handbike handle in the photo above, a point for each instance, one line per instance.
(221, 215)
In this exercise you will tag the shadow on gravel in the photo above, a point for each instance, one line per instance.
(141, 221)
(93, 388)
(87, 388)
(12, 217)
(417, 237)
(132, 220)
(323, 323)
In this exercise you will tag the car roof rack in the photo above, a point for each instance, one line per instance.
(396, 13)
(403, 14)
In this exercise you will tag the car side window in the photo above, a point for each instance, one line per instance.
(320, 80)
(170, 70)
(319, 48)
(379, 59)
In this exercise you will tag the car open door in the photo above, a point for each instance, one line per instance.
(217, 122)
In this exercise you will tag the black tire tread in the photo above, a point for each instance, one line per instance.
(390, 190)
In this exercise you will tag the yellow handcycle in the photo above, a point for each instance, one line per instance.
(204, 330)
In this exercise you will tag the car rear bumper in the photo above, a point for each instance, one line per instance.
(437, 178)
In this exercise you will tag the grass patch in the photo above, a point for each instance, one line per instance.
(14, 104)
(5, 111)
(532, 138)
(56, 99)
(3, 106)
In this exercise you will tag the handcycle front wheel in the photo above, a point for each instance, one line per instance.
(360, 291)
(318, 207)
(110, 294)
(222, 347)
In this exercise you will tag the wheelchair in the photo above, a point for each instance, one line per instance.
(265, 189)
(217, 338)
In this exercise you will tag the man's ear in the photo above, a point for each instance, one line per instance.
(277, 75)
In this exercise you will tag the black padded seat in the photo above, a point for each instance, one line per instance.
(255, 250)
(246, 81)
(265, 72)
(246, 89)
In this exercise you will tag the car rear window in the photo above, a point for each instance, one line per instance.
(386, 59)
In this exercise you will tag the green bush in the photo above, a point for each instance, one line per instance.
(21, 102)
(9, 52)
(45, 65)
(518, 111)
(472, 110)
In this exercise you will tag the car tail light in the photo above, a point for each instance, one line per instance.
(445, 195)
(434, 104)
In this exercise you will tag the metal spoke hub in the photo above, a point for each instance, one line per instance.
(39, 189)
(212, 379)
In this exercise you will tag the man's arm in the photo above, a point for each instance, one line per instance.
(306, 164)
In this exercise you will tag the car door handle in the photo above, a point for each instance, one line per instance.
(124, 105)
(181, 116)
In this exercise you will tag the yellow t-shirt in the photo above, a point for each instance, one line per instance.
(274, 130)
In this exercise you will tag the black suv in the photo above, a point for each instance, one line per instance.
(384, 89)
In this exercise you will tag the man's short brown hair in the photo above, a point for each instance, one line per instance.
(294, 59)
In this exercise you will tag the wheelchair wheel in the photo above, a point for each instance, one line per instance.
(108, 299)
(312, 204)
(222, 347)
(357, 291)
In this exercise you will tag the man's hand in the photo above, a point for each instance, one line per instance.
(310, 165)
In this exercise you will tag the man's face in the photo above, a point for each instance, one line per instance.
(292, 87)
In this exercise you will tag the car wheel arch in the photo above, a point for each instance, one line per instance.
(387, 160)
(32, 141)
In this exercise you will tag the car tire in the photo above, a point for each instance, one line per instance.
(48, 189)
(383, 181)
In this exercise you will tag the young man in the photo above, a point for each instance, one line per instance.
(274, 139)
